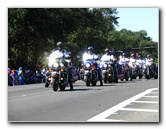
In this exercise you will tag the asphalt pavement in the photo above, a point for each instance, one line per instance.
(126, 101)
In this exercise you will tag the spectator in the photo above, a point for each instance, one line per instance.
(20, 76)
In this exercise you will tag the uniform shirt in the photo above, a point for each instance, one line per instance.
(123, 60)
(87, 56)
(139, 62)
(106, 57)
(59, 54)
(56, 54)
(132, 61)
(149, 62)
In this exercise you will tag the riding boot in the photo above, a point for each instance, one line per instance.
(71, 83)
(101, 82)
(71, 87)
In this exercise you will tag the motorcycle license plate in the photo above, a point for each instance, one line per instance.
(86, 71)
(54, 73)
(104, 71)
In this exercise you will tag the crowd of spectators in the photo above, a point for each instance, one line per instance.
(23, 76)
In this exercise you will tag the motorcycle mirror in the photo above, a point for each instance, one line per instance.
(78, 56)
(45, 53)
(99, 57)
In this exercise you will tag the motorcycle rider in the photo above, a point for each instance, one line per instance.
(90, 55)
(62, 53)
(139, 66)
(149, 62)
(107, 55)
(139, 62)
(123, 60)
(132, 60)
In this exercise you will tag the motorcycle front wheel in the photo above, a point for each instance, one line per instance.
(54, 85)
(105, 78)
(47, 84)
(94, 83)
(140, 76)
(155, 76)
(87, 81)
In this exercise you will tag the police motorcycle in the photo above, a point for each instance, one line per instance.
(107, 70)
(139, 70)
(58, 75)
(151, 71)
(123, 71)
(133, 69)
(90, 72)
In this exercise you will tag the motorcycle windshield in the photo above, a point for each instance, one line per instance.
(105, 61)
(90, 61)
(54, 62)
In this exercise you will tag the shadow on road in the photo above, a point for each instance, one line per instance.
(85, 89)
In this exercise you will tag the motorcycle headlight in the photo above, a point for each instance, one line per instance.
(105, 65)
(55, 65)
(61, 64)
(87, 65)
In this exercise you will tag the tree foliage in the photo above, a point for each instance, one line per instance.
(34, 31)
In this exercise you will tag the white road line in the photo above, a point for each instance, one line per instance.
(111, 120)
(105, 114)
(151, 96)
(139, 110)
(144, 102)
(154, 92)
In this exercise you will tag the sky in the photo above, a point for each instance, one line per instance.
(136, 19)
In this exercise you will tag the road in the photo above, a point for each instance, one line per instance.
(127, 101)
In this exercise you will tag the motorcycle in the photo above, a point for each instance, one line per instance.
(133, 70)
(151, 72)
(123, 72)
(90, 72)
(58, 75)
(108, 71)
(48, 78)
(139, 70)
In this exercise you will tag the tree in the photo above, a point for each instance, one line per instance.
(34, 31)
